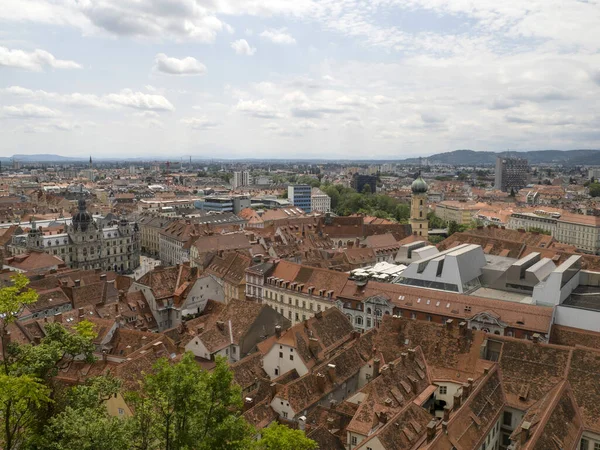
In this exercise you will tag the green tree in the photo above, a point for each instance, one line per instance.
(187, 407)
(281, 437)
(367, 189)
(594, 189)
(85, 423)
(27, 391)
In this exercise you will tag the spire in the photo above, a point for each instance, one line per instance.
(90, 161)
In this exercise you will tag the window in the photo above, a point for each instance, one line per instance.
(413, 315)
(368, 322)
(358, 320)
(596, 446)
(281, 354)
(121, 411)
(297, 317)
(368, 310)
(507, 419)
(285, 415)
(584, 444)
(354, 440)
(443, 390)
(276, 372)
(291, 357)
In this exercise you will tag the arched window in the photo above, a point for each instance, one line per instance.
(369, 311)
(378, 312)
(349, 317)
(421, 202)
(358, 320)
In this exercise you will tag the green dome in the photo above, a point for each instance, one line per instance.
(419, 186)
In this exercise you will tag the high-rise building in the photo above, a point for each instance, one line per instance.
(300, 195)
(240, 179)
(360, 181)
(418, 208)
(511, 174)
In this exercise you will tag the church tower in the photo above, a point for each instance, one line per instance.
(418, 208)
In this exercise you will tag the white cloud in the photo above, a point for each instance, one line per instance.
(29, 111)
(175, 66)
(125, 98)
(257, 108)
(278, 36)
(199, 123)
(36, 60)
(242, 47)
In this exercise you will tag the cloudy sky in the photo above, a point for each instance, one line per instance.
(297, 78)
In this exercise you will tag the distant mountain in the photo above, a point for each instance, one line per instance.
(45, 158)
(471, 157)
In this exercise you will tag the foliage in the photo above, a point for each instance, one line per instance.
(346, 201)
(594, 189)
(436, 239)
(538, 230)
(280, 437)
(187, 407)
(13, 298)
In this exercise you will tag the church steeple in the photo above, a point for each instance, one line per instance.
(90, 161)
(418, 207)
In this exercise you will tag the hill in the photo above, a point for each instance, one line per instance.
(471, 157)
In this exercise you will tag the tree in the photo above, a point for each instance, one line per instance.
(280, 437)
(594, 189)
(26, 388)
(367, 189)
(85, 423)
(187, 407)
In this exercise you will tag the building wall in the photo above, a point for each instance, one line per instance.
(583, 236)
(277, 361)
(418, 215)
(293, 305)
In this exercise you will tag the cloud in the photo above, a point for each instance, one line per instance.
(199, 123)
(313, 112)
(30, 111)
(124, 98)
(174, 66)
(279, 36)
(36, 60)
(258, 108)
(242, 47)
(139, 100)
(432, 118)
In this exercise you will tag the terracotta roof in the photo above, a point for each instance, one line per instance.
(474, 419)
(553, 422)
(170, 281)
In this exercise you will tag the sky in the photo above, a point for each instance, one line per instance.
(334, 79)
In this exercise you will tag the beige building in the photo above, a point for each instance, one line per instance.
(418, 208)
(456, 211)
(581, 231)
(297, 292)
(150, 228)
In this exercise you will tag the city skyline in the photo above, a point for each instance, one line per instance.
(296, 79)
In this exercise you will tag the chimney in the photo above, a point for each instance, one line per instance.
(383, 418)
(404, 357)
(411, 354)
(313, 346)
(77, 283)
(319, 314)
(431, 429)
(457, 400)
(5, 339)
(104, 356)
(450, 324)
(116, 308)
(58, 317)
(414, 384)
(446, 413)
(536, 338)
(376, 365)
(524, 436)
(102, 277)
(302, 423)
(321, 382)
(80, 311)
(331, 372)
(220, 325)
(463, 328)
(278, 331)
(199, 329)
(248, 403)
(156, 347)
(392, 365)
(445, 426)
